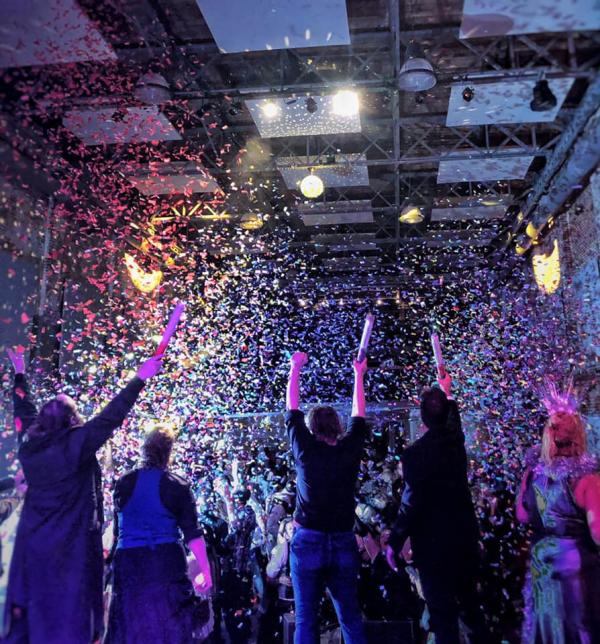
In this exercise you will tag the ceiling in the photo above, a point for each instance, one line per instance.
(70, 70)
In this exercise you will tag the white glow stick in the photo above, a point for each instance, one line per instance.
(170, 328)
(366, 335)
(437, 353)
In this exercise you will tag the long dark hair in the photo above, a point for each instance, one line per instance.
(324, 422)
(57, 414)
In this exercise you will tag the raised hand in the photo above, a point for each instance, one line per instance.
(150, 368)
(298, 360)
(17, 359)
(445, 382)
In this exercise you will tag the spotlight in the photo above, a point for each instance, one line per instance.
(411, 215)
(416, 75)
(543, 98)
(251, 221)
(311, 186)
(467, 94)
(270, 109)
(311, 105)
(345, 103)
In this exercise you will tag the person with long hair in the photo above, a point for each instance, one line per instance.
(559, 498)
(54, 591)
(324, 552)
(153, 599)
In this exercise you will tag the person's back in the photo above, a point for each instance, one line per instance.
(435, 468)
(324, 552)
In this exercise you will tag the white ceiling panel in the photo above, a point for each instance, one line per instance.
(483, 168)
(173, 178)
(484, 18)
(240, 25)
(293, 119)
(347, 170)
(131, 125)
(48, 32)
(505, 102)
(346, 212)
(467, 214)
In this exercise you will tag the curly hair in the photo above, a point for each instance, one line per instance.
(156, 450)
(324, 422)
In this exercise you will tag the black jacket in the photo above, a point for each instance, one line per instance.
(437, 511)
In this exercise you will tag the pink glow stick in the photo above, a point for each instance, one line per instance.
(170, 329)
(437, 353)
(366, 336)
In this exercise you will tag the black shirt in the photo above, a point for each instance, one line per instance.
(326, 474)
(175, 494)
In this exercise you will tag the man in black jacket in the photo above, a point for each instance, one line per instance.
(437, 514)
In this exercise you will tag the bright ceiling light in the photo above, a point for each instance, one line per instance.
(345, 103)
(546, 268)
(411, 215)
(270, 109)
(311, 186)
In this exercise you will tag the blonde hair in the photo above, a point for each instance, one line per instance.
(158, 444)
(579, 436)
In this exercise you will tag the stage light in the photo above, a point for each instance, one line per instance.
(416, 75)
(270, 109)
(144, 282)
(543, 98)
(345, 103)
(468, 93)
(311, 186)
(251, 222)
(411, 215)
(546, 268)
(531, 231)
(311, 105)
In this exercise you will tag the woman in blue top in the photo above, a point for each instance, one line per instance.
(153, 599)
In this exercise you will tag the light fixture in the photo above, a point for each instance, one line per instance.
(311, 105)
(546, 268)
(411, 215)
(270, 109)
(144, 282)
(152, 89)
(312, 186)
(345, 103)
(543, 98)
(416, 75)
(250, 221)
(467, 94)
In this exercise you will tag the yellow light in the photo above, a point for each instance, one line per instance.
(345, 103)
(411, 215)
(546, 268)
(270, 109)
(311, 186)
(531, 231)
(251, 222)
(144, 282)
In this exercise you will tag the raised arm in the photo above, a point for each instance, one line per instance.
(25, 411)
(93, 434)
(358, 396)
(297, 361)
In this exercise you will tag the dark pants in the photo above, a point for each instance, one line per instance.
(322, 560)
(450, 591)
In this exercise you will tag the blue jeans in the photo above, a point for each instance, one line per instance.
(322, 560)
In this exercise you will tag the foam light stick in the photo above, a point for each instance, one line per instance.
(437, 354)
(366, 336)
(170, 328)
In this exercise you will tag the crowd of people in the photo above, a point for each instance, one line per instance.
(244, 546)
